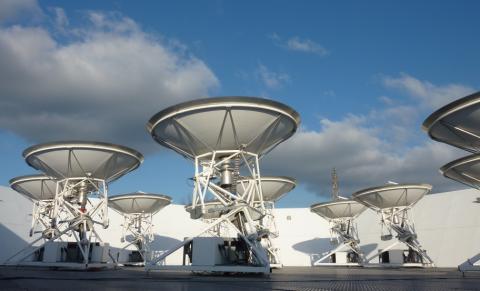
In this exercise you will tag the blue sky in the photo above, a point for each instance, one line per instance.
(363, 76)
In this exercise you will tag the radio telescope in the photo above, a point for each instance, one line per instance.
(341, 214)
(137, 210)
(82, 171)
(225, 137)
(40, 189)
(393, 203)
(457, 123)
(273, 189)
(466, 171)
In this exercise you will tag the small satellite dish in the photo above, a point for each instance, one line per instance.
(35, 187)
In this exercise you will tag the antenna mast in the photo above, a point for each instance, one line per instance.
(334, 185)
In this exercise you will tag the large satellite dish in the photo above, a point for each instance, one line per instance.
(273, 188)
(226, 137)
(338, 209)
(465, 170)
(83, 159)
(393, 203)
(392, 196)
(139, 202)
(457, 123)
(35, 187)
(224, 123)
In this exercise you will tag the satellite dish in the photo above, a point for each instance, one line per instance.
(338, 209)
(225, 136)
(465, 170)
(273, 188)
(394, 202)
(201, 126)
(83, 159)
(35, 187)
(391, 196)
(456, 123)
(139, 202)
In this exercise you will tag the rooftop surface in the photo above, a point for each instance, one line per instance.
(288, 278)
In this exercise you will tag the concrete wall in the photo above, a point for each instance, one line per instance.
(448, 227)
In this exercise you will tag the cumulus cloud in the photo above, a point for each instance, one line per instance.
(430, 95)
(103, 83)
(272, 80)
(386, 144)
(298, 44)
(11, 9)
(362, 158)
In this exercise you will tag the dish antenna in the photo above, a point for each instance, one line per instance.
(39, 189)
(343, 232)
(273, 189)
(340, 214)
(393, 203)
(82, 171)
(456, 124)
(137, 210)
(225, 137)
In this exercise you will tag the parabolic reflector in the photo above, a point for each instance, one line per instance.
(139, 202)
(465, 170)
(35, 187)
(391, 196)
(83, 159)
(338, 209)
(273, 188)
(224, 123)
(457, 123)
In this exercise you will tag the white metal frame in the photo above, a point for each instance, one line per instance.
(398, 220)
(67, 219)
(343, 232)
(140, 226)
(207, 166)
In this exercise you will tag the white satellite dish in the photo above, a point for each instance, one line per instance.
(338, 209)
(456, 123)
(82, 171)
(225, 136)
(137, 210)
(341, 214)
(139, 202)
(394, 202)
(464, 170)
(41, 190)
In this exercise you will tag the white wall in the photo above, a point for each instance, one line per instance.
(448, 227)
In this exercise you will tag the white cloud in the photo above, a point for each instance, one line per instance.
(430, 95)
(386, 144)
(362, 159)
(11, 9)
(270, 79)
(306, 46)
(298, 44)
(103, 84)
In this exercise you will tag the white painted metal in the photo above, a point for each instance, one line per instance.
(456, 123)
(343, 232)
(466, 171)
(40, 189)
(137, 210)
(273, 189)
(393, 203)
(82, 171)
(225, 137)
